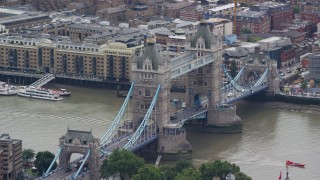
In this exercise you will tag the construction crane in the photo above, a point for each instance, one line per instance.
(235, 17)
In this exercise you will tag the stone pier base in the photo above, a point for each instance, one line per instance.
(223, 120)
(174, 147)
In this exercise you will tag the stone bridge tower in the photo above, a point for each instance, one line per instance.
(203, 84)
(149, 70)
(80, 142)
(258, 63)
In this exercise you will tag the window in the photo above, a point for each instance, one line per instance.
(147, 92)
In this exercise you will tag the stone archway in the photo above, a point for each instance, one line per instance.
(200, 101)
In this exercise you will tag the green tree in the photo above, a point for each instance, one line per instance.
(168, 171)
(245, 31)
(188, 174)
(149, 172)
(217, 169)
(304, 84)
(233, 68)
(122, 163)
(27, 155)
(242, 176)
(183, 164)
(296, 10)
(43, 161)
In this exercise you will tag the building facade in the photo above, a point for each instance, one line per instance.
(279, 13)
(312, 16)
(18, 23)
(254, 21)
(12, 157)
(110, 61)
(314, 67)
(1, 165)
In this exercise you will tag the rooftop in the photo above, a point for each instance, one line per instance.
(223, 7)
(271, 4)
(250, 14)
(22, 18)
(11, 11)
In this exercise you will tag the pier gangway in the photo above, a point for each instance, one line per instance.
(42, 81)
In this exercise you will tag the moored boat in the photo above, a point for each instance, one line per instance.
(7, 90)
(290, 163)
(38, 93)
(64, 92)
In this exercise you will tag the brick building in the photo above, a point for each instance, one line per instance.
(255, 21)
(279, 13)
(48, 5)
(11, 157)
(190, 15)
(312, 16)
(17, 23)
(173, 10)
(113, 14)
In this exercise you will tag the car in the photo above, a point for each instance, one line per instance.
(288, 70)
(230, 95)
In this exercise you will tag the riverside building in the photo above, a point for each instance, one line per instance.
(108, 61)
(11, 157)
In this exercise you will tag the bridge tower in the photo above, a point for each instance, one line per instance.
(80, 142)
(203, 86)
(149, 70)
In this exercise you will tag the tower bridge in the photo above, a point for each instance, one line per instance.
(153, 120)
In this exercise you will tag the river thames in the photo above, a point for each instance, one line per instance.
(270, 136)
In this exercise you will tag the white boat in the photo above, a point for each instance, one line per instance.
(38, 93)
(7, 90)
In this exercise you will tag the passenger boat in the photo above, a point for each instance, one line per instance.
(38, 93)
(64, 92)
(290, 163)
(7, 90)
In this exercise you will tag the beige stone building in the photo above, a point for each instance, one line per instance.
(12, 157)
(109, 61)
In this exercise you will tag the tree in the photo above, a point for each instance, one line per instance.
(27, 155)
(149, 172)
(245, 31)
(242, 176)
(304, 84)
(168, 171)
(296, 10)
(217, 169)
(188, 174)
(121, 162)
(233, 68)
(183, 164)
(43, 161)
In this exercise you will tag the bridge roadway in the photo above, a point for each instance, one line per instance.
(234, 95)
(187, 114)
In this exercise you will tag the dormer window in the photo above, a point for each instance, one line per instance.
(147, 64)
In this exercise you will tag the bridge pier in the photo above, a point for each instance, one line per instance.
(223, 120)
(172, 143)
